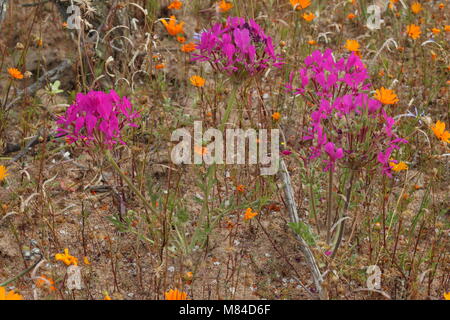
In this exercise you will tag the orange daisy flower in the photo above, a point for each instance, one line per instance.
(398, 166)
(11, 295)
(15, 73)
(188, 47)
(3, 173)
(224, 6)
(276, 116)
(45, 282)
(249, 214)
(440, 132)
(352, 45)
(175, 295)
(413, 31)
(386, 96)
(172, 27)
(309, 16)
(175, 5)
(416, 7)
(436, 30)
(197, 81)
(66, 258)
(300, 4)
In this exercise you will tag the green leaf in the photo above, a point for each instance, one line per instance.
(304, 231)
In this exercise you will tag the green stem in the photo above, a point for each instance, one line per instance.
(330, 204)
(230, 107)
(313, 206)
(341, 226)
(128, 181)
(4, 284)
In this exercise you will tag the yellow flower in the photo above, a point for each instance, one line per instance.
(175, 295)
(172, 27)
(416, 7)
(413, 31)
(224, 6)
(398, 166)
(86, 261)
(249, 214)
(440, 132)
(309, 16)
(66, 258)
(15, 73)
(175, 5)
(447, 295)
(276, 116)
(300, 4)
(352, 45)
(11, 295)
(107, 297)
(3, 173)
(386, 96)
(197, 81)
(188, 47)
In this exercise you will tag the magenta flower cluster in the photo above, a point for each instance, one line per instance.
(346, 124)
(239, 47)
(97, 117)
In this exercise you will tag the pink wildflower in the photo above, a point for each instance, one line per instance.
(97, 117)
(238, 48)
(347, 125)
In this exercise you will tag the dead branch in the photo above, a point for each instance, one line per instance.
(3, 8)
(304, 248)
